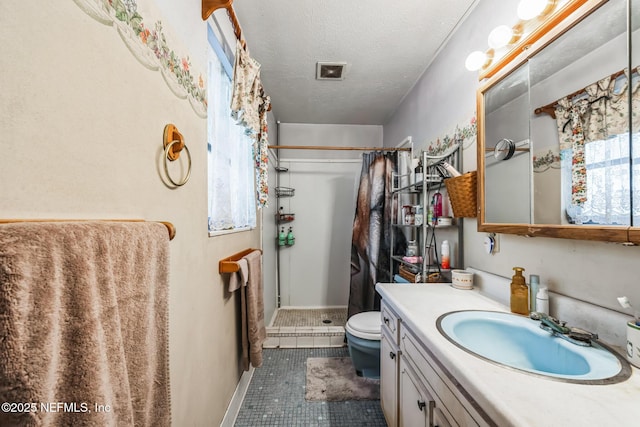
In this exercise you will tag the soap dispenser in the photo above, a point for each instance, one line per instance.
(519, 293)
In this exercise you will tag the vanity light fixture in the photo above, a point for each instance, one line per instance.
(529, 9)
(530, 13)
(478, 59)
(502, 36)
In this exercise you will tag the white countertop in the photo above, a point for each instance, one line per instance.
(509, 397)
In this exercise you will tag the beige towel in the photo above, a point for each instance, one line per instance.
(240, 277)
(83, 322)
(256, 331)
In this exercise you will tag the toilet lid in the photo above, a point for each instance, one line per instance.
(365, 325)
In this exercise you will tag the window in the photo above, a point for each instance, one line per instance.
(607, 182)
(232, 205)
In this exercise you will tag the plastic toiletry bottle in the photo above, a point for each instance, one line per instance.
(542, 300)
(519, 293)
(437, 205)
(534, 283)
(418, 217)
(412, 248)
(290, 238)
(282, 237)
(445, 255)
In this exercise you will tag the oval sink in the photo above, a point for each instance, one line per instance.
(519, 342)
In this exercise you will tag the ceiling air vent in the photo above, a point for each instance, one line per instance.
(330, 70)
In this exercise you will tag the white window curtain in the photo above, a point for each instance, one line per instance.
(594, 147)
(607, 182)
(232, 203)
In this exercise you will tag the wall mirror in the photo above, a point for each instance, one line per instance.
(571, 109)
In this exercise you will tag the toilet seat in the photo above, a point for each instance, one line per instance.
(365, 325)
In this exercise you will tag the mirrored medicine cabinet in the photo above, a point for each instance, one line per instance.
(558, 131)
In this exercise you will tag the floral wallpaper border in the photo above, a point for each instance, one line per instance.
(545, 161)
(465, 136)
(149, 46)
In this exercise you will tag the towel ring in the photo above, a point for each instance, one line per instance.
(173, 145)
(167, 153)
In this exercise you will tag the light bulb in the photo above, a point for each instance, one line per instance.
(529, 9)
(500, 36)
(475, 60)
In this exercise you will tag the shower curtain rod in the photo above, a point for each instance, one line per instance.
(328, 147)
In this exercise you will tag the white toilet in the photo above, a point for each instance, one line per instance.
(363, 339)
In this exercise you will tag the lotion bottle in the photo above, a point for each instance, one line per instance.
(542, 300)
(519, 293)
(446, 264)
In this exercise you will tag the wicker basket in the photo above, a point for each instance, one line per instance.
(463, 194)
(407, 274)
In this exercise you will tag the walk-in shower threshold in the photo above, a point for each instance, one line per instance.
(304, 337)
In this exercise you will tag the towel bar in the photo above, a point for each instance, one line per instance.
(230, 264)
(170, 227)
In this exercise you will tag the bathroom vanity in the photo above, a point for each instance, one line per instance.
(427, 380)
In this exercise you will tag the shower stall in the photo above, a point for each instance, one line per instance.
(312, 195)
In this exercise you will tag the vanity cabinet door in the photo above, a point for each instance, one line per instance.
(390, 323)
(415, 405)
(389, 368)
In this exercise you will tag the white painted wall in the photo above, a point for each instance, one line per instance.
(82, 124)
(316, 270)
(445, 95)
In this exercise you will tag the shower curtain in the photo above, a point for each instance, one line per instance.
(370, 255)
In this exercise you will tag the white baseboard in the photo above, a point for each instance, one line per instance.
(236, 401)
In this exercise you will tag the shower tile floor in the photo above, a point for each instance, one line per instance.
(276, 395)
(311, 317)
(307, 328)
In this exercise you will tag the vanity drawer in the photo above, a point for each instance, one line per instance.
(390, 323)
(448, 403)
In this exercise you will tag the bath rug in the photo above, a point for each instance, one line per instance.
(334, 379)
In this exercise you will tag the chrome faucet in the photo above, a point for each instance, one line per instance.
(559, 329)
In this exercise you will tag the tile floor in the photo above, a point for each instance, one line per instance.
(276, 395)
(307, 328)
(330, 316)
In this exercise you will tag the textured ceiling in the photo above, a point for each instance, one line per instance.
(387, 46)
